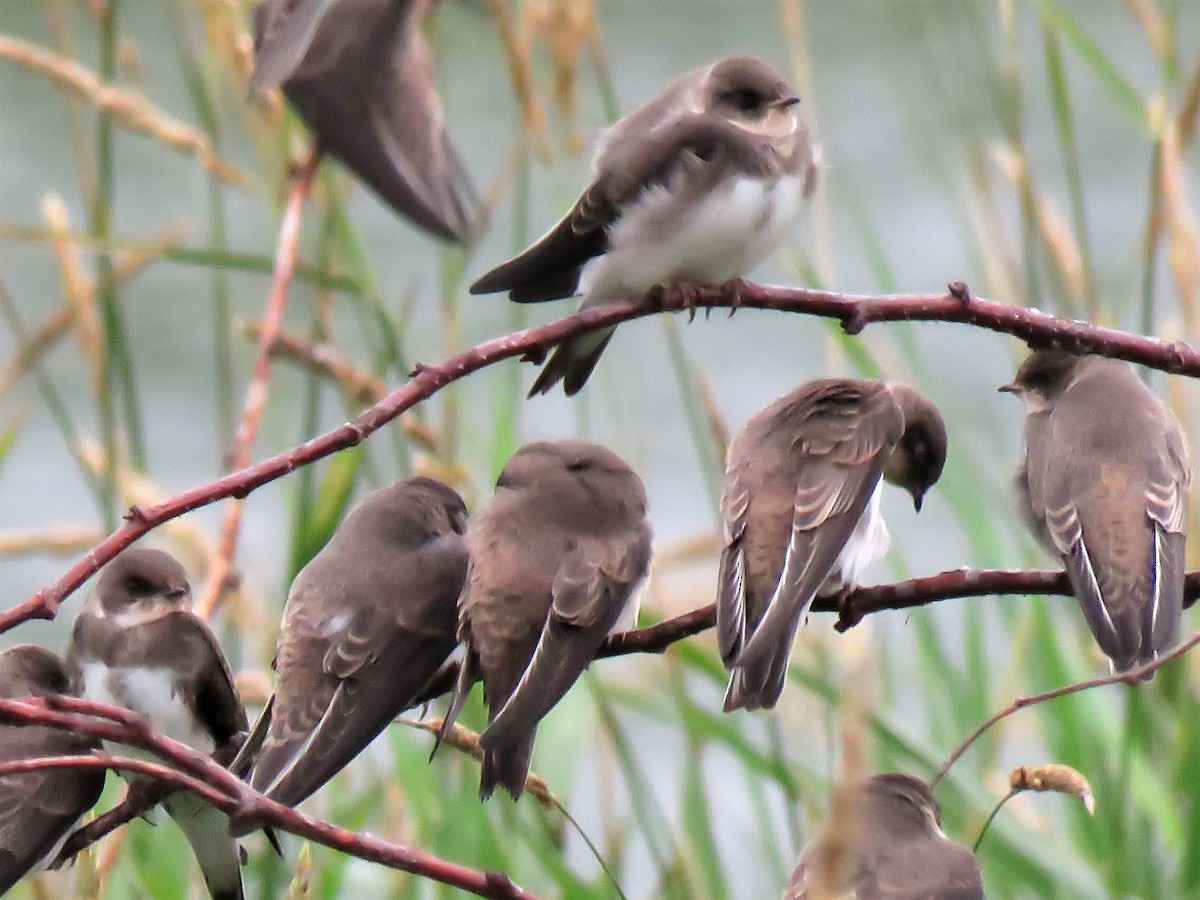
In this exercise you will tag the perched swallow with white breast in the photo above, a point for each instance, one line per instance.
(39, 810)
(359, 73)
(1104, 487)
(555, 562)
(800, 513)
(369, 622)
(699, 185)
(137, 644)
(898, 850)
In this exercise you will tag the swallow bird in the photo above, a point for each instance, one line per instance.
(1104, 487)
(137, 644)
(368, 623)
(800, 513)
(898, 850)
(360, 75)
(555, 561)
(39, 810)
(698, 185)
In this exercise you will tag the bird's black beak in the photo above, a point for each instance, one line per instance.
(1010, 389)
(918, 499)
(787, 102)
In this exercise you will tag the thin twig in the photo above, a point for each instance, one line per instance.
(1133, 676)
(854, 311)
(242, 452)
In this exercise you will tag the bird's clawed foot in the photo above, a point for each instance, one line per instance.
(735, 289)
(677, 293)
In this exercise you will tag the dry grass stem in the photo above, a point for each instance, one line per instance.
(129, 109)
(78, 290)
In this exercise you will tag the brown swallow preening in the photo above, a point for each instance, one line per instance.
(359, 73)
(800, 513)
(1104, 487)
(38, 810)
(898, 850)
(700, 185)
(368, 623)
(137, 644)
(555, 561)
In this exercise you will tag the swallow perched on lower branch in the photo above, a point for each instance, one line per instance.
(39, 810)
(800, 513)
(137, 644)
(555, 562)
(1104, 487)
(368, 623)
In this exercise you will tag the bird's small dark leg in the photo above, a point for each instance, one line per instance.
(735, 289)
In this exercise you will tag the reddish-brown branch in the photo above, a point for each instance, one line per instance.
(197, 772)
(136, 803)
(852, 310)
(242, 452)
(1133, 676)
(863, 601)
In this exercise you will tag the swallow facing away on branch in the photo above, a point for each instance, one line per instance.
(369, 622)
(897, 849)
(137, 644)
(360, 75)
(39, 810)
(698, 186)
(1104, 487)
(800, 513)
(555, 562)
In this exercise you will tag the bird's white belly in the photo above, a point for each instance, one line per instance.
(721, 237)
(867, 543)
(150, 693)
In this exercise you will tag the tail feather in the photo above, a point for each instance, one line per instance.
(207, 830)
(758, 685)
(506, 766)
(572, 363)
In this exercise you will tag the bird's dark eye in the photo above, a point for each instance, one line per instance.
(747, 100)
(577, 465)
(137, 585)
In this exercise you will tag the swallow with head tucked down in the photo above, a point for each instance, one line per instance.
(800, 513)
(555, 563)
(137, 644)
(39, 810)
(898, 850)
(359, 73)
(699, 185)
(1104, 487)
(368, 623)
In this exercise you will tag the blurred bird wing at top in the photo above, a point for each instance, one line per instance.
(593, 584)
(283, 32)
(832, 493)
(372, 102)
(687, 156)
(39, 809)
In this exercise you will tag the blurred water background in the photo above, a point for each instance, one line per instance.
(1016, 146)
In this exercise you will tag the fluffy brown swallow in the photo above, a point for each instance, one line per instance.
(369, 621)
(359, 73)
(698, 185)
(137, 644)
(1104, 487)
(800, 513)
(555, 561)
(38, 810)
(898, 849)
